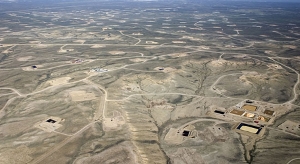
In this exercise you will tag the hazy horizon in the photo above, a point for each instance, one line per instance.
(297, 1)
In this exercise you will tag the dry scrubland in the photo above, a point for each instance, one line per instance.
(153, 84)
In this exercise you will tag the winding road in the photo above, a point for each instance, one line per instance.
(295, 85)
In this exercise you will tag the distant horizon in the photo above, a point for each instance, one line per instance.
(294, 1)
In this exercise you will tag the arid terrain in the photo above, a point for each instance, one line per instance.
(149, 83)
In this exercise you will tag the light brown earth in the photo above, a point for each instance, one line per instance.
(124, 153)
(116, 52)
(290, 126)
(25, 58)
(166, 69)
(19, 155)
(59, 81)
(79, 41)
(29, 68)
(82, 96)
(97, 46)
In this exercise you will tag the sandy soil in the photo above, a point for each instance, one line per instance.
(179, 42)
(290, 126)
(62, 80)
(290, 46)
(113, 123)
(166, 69)
(81, 96)
(48, 126)
(131, 87)
(113, 37)
(19, 155)
(249, 144)
(67, 50)
(3, 28)
(97, 46)
(173, 137)
(124, 153)
(256, 76)
(116, 52)
(178, 55)
(269, 52)
(161, 114)
(40, 46)
(32, 69)
(204, 47)
(7, 51)
(151, 47)
(218, 63)
(25, 58)
(186, 155)
(34, 42)
(79, 41)
(151, 42)
(137, 60)
(6, 45)
(274, 66)
(137, 34)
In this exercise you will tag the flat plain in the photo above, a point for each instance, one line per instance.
(149, 82)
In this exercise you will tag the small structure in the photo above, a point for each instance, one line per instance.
(99, 70)
(173, 137)
(50, 124)
(185, 133)
(249, 115)
(34, 67)
(249, 128)
(250, 107)
(219, 112)
(51, 121)
(263, 118)
(113, 123)
(237, 112)
(77, 61)
(269, 112)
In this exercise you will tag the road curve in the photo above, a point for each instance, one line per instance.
(60, 145)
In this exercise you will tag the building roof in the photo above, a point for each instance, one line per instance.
(249, 129)
(250, 107)
(237, 112)
(249, 115)
(263, 118)
(269, 112)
